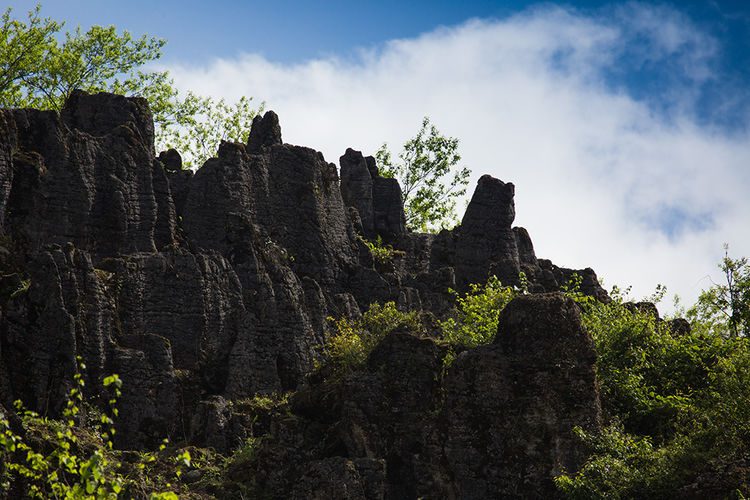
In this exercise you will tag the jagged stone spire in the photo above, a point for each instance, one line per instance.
(265, 132)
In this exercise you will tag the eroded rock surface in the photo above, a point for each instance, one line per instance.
(511, 406)
(496, 424)
(205, 288)
(378, 200)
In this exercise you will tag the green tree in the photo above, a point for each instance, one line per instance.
(22, 46)
(429, 176)
(726, 306)
(39, 71)
(195, 125)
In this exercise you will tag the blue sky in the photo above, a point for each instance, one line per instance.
(287, 31)
(623, 125)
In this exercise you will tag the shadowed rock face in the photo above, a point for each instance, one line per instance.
(93, 186)
(531, 387)
(356, 188)
(264, 133)
(202, 287)
(236, 271)
(485, 242)
(378, 200)
(498, 424)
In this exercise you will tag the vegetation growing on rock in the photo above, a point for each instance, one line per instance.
(677, 401)
(208, 294)
(353, 340)
(41, 71)
(430, 176)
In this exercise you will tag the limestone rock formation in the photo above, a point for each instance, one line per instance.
(264, 132)
(378, 200)
(498, 424)
(541, 367)
(69, 178)
(201, 289)
(485, 243)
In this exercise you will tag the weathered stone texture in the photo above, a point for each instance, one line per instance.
(356, 188)
(203, 289)
(485, 243)
(264, 133)
(378, 200)
(511, 406)
(96, 186)
(497, 424)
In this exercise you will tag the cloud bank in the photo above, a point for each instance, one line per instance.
(592, 116)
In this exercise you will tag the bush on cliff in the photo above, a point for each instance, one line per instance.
(353, 340)
(472, 323)
(676, 403)
(475, 319)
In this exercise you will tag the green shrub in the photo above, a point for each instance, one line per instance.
(61, 472)
(475, 320)
(677, 405)
(382, 254)
(624, 466)
(379, 251)
(354, 340)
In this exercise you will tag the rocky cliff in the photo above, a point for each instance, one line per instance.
(202, 289)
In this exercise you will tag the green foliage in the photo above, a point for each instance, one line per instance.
(73, 457)
(39, 71)
(61, 472)
(429, 177)
(265, 403)
(23, 288)
(382, 254)
(354, 340)
(475, 320)
(156, 470)
(726, 306)
(623, 466)
(22, 46)
(473, 323)
(247, 453)
(678, 405)
(646, 375)
(196, 125)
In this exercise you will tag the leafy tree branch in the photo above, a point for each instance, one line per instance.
(39, 71)
(430, 177)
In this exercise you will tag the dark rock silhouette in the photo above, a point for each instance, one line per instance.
(378, 200)
(171, 160)
(264, 132)
(200, 288)
(356, 189)
(498, 426)
(541, 366)
(485, 243)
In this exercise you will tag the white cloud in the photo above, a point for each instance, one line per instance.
(599, 175)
